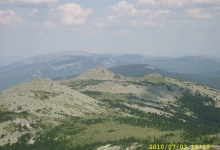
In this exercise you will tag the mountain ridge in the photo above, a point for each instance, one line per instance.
(100, 109)
(98, 73)
(67, 64)
(42, 92)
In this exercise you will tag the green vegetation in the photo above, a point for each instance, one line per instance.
(90, 133)
(6, 115)
(191, 119)
(155, 79)
(79, 84)
(137, 127)
(206, 122)
(42, 95)
(11, 127)
(44, 110)
(107, 95)
(208, 116)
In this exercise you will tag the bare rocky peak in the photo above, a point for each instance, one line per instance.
(154, 75)
(42, 98)
(99, 73)
(42, 93)
(42, 84)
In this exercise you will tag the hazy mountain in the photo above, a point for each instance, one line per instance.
(138, 70)
(71, 63)
(100, 108)
(9, 59)
(189, 64)
(130, 58)
(58, 65)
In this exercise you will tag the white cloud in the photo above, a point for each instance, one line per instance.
(73, 14)
(205, 1)
(128, 9)
(50, 24)
(112, 18)
(129, 13)
(37, 1)
(175, 2)
(35, 11)
(100, 23)
(161, 12)
(145, 11)
(198, 13)
(216, 8)
(142, 23)
(27, 1)
(147, 2)
(125, 8)
(9, 17)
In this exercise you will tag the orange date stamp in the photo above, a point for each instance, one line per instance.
(178, 146)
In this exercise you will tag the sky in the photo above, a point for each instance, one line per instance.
(148, 27)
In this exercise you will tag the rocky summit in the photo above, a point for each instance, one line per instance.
(99, 73)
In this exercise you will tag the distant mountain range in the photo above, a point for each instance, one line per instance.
(71, 63)
(189, 64)
(138, 70)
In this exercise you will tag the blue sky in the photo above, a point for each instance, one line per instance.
(149, 27)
